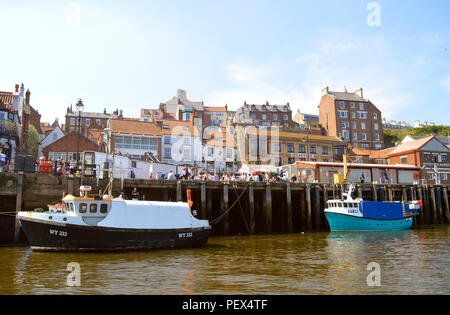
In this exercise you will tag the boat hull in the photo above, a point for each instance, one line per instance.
(342, 222)
(45, 236)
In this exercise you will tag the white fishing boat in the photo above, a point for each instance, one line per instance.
(103, 223)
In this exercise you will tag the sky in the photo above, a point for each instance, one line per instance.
(135, 54)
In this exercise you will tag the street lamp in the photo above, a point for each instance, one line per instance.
(80, 107)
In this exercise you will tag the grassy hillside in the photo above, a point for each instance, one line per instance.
(396, 136)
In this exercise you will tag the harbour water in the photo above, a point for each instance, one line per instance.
(410, 262)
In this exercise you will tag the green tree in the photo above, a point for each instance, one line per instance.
(33, 140)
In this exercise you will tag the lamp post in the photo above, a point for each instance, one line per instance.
(80, 108)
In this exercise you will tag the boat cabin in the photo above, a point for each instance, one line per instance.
(344, 204)
(91, 209)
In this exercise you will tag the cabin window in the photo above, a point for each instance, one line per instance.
(83, 208)
(103, 208)
(93, 208)
(72, 209)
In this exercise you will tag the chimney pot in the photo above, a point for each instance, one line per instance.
(17, 88)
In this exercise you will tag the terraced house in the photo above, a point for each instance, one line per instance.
(273, 146)
(265, 115)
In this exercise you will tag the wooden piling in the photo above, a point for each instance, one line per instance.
(225, 205)
(209, 211)
(19, 192)
(447, 209)
(268, 209)
(303, 210)
(374, 192)
(317, 210)
(433, 206)
(308, 207)
(203, 201)
(404, 194)
(421, 211)
(439, 211)
(179, 196)
(290, 226)
(251, 209)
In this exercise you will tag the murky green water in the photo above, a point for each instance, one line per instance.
(411, 262)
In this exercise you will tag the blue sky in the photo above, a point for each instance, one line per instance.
(136, 54)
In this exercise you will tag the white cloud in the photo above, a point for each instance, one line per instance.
(336, 60)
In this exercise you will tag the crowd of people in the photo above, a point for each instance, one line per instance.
(187, 174)
(59, 167)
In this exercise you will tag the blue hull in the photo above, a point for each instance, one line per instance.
(342, 222)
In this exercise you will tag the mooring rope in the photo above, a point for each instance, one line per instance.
(242, 210)
(220, 217)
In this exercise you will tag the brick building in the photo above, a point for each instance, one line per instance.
(89, 120)
(66, 147)
(352, 117)
(424, 153)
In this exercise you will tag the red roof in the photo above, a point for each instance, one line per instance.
(410, 146)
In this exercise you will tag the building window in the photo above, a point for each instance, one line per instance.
(167, 153)
(365, 146)
(290, 147)
(264, 116)
(345, 134)
(444, 176)
(291, 160)
(301, 148)
(364, 137)
(353, 115)
(362, 115)
(210, 152)
(375, 126)
(353, 124)
(361, 106)
(404, 160)
(254, 116)
(375, 116)
(275, 117)
(312, 149)
(72, 121)
(363, 125)
(324, 149)
(88, 122)
(352, 105)
(426, 156)
(286, 117)
(343, 114)
(98, 122)
(377, 137)
(378, 146)
(443, 157)
(430, 176)
(342, 105)
(355, 136)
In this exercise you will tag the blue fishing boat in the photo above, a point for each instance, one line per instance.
(348, 214)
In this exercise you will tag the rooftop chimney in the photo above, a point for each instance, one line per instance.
(27, 97)
(325, 91)
(17, 88)
(359, 93)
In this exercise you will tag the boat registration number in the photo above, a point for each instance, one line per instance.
(58, 233)
(353, 211)
(184, 235)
